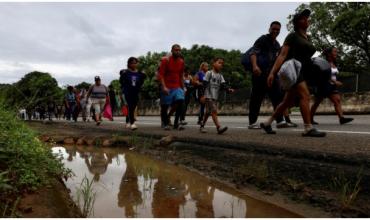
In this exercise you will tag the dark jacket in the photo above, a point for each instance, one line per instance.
(131, 82)
(266, 49)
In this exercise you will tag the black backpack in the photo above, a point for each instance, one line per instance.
(121, 76)
(246, 60)
(320, 72)
(262, 60)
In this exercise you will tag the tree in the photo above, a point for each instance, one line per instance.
(344, 25)
(83, 85)
(233, 70)
(3, 90)
(116, 85)
(33, 89)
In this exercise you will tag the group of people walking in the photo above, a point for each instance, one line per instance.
(265, 60)
(90, 101)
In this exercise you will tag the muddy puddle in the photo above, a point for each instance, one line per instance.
(128, 184)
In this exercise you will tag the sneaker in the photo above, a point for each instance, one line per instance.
(292, 125)
(98, 123)
(199, 123)
(313, 132)
(254, 126)
(267, 128)
(343, 120)
(178, 127)
(167, 128)
(128, 125)
(221, 130)
(282, 124)
(183, 122)
(133, 127)
(314, 122)
(202, 129)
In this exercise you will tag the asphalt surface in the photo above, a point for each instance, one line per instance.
(349, 143)
(327, 123)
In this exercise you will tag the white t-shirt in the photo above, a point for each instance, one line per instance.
(214, 84)
(334, 73)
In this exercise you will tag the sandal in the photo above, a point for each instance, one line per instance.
(267, 128)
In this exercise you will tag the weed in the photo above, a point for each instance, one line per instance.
(13, 212)
(25, 162)
(86, 196)
(147, 142)
(4, 182)
(98, 142)
(134, 139)
(5, 209)
(257, 170)
(294, 185)
(348, 189)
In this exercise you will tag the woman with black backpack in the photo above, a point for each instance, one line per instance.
(329, 88)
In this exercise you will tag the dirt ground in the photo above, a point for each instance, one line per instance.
(49, 202)
(299, 184)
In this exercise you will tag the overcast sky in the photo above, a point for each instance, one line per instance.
(76, 41)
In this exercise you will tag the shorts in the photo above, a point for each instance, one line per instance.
(304, 75)
(98, 105)
(326, 90)
(174, 95)
(211, 106)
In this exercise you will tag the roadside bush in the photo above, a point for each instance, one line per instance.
(25, 162)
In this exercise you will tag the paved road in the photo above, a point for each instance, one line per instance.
(327, 123)
(349, 142)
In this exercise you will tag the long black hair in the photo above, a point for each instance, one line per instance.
(327, 52)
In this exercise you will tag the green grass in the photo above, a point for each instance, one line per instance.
(256, 170)
(348, 189)
(25, 163)
(134, 139)
(86, 197)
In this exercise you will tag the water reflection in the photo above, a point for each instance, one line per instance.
(129, 195)
(132, 185)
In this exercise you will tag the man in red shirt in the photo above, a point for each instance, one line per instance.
(170, 75)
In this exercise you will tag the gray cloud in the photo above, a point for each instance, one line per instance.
(75, 41)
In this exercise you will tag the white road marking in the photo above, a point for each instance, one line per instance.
(343, 132)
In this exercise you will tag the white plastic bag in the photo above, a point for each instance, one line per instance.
(289, 73)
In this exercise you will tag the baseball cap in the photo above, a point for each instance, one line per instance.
(97, 78)
(304, 13)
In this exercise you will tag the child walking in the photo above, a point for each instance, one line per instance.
(131, 81)
(214, 82)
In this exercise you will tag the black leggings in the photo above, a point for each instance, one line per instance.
(132, 101)
(259, 90)
(201, 111)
